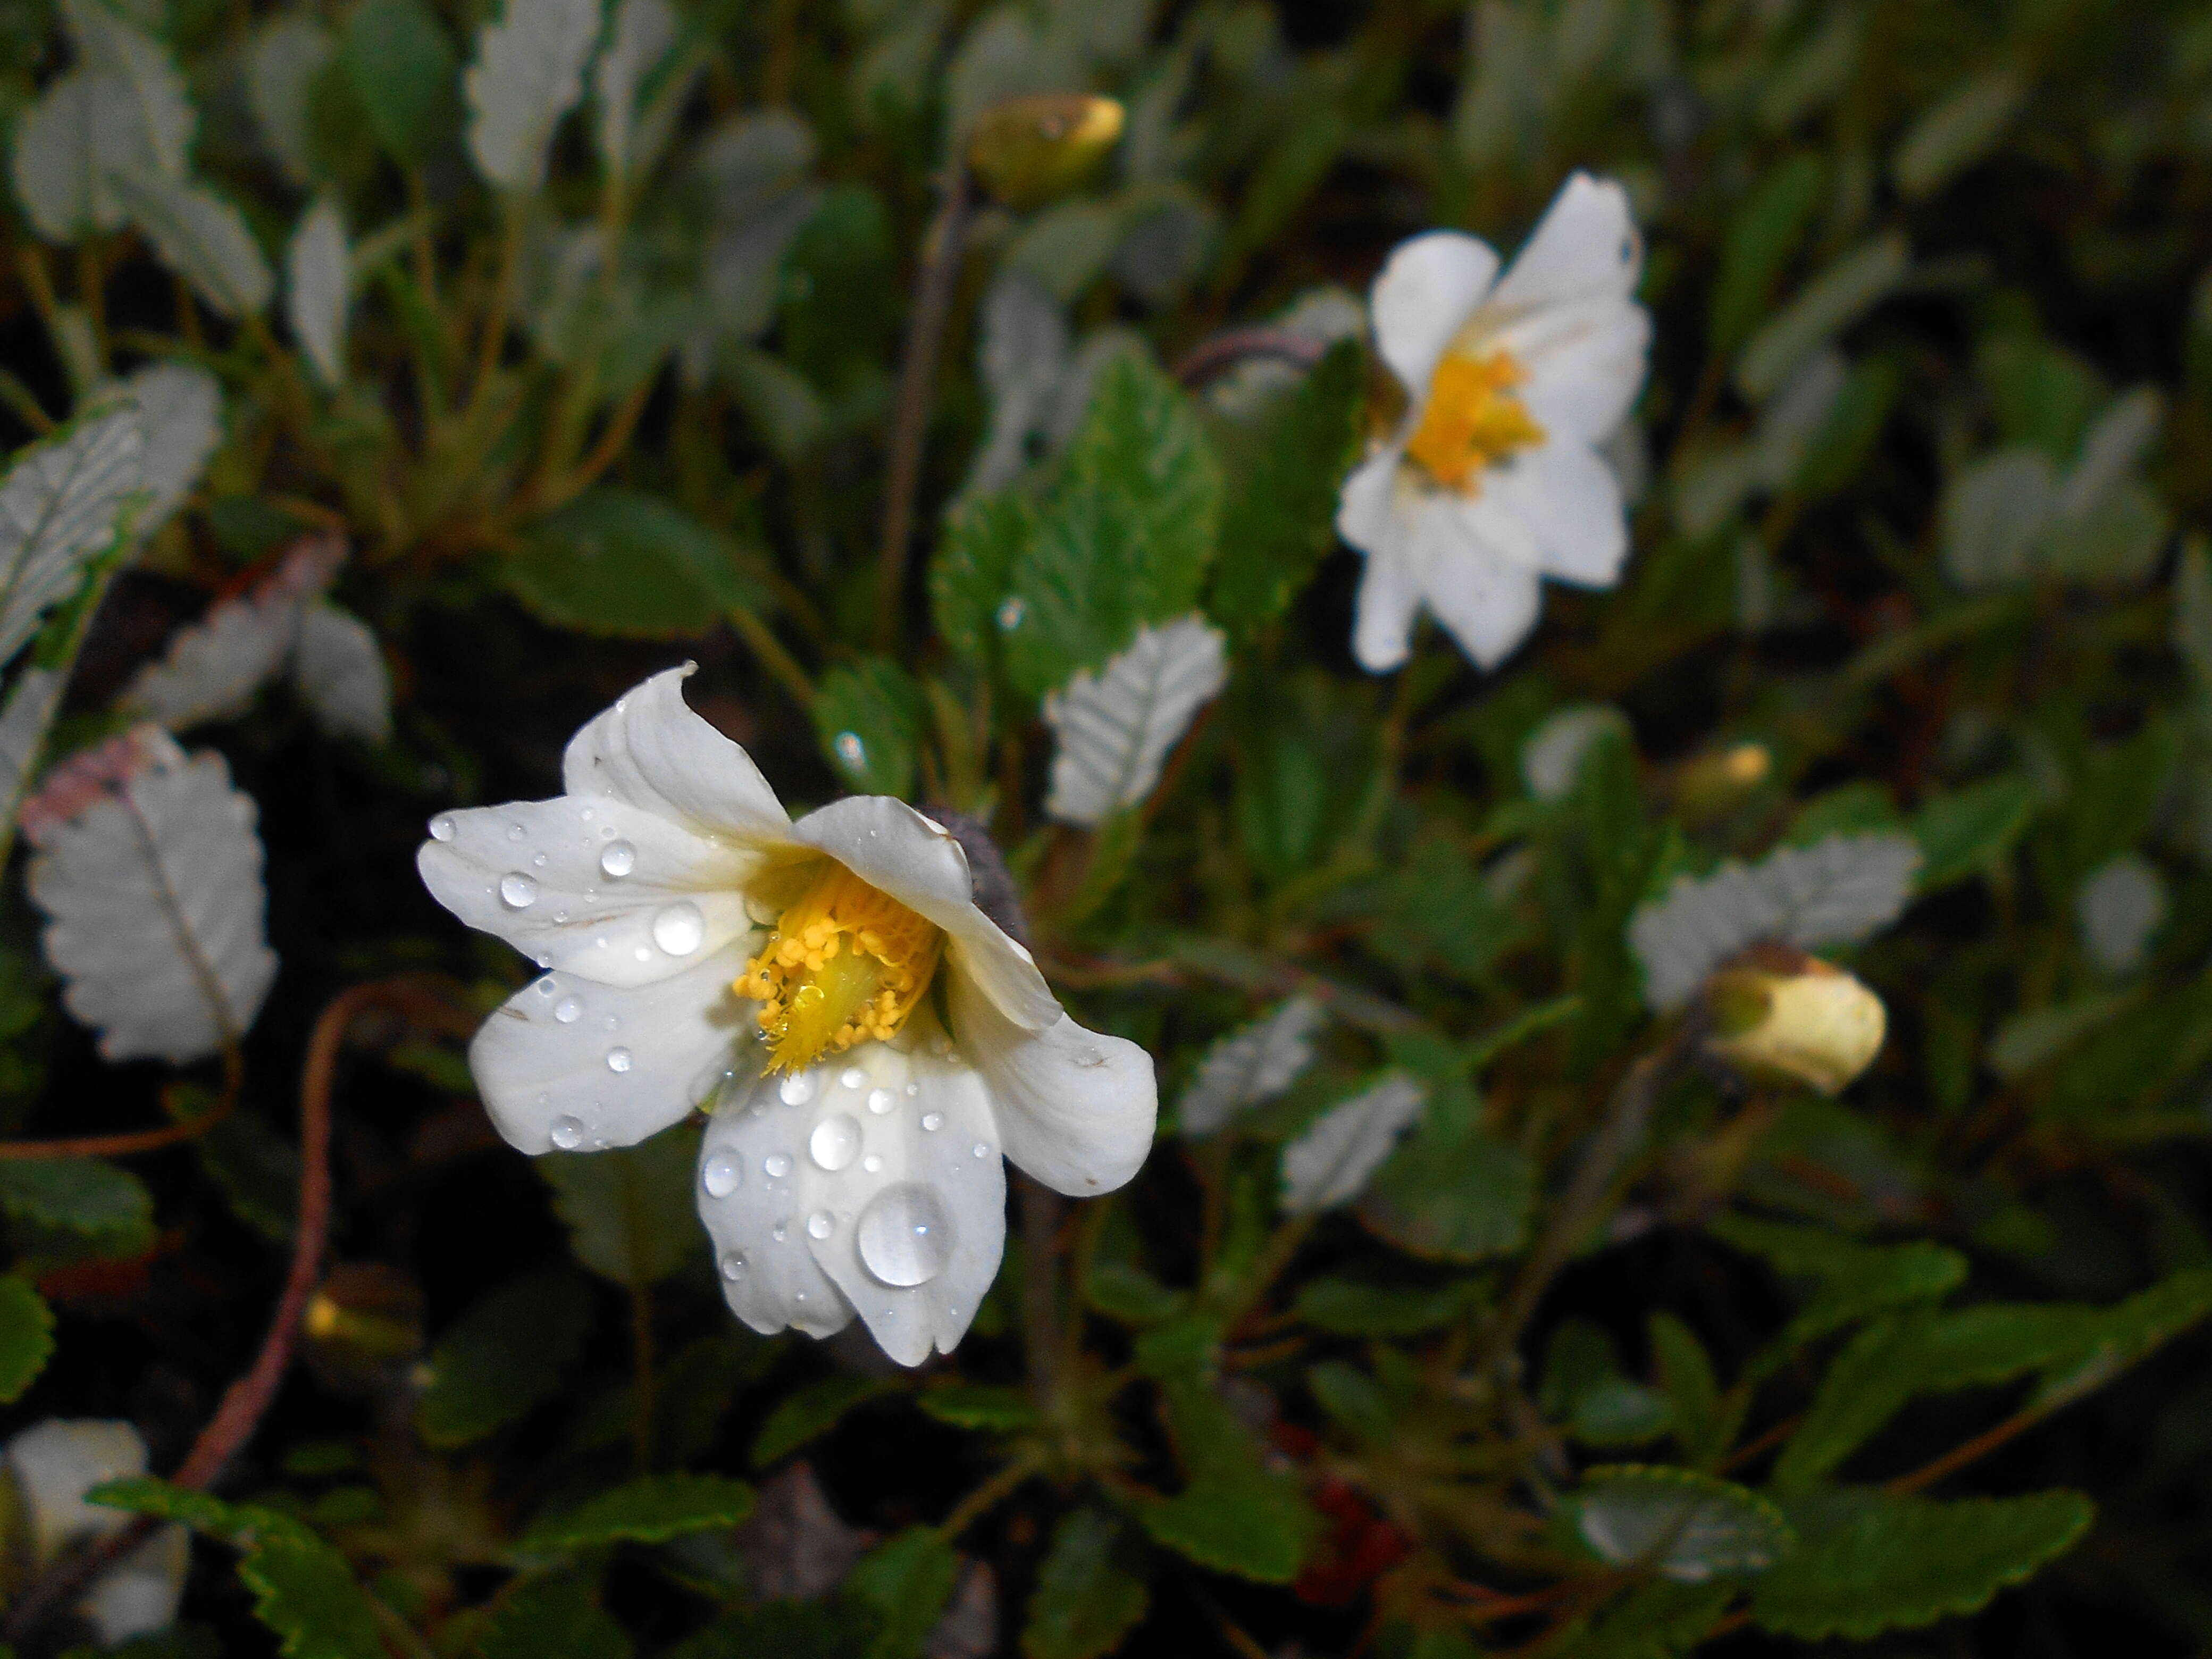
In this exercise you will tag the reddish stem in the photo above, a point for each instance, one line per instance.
(1209, 357)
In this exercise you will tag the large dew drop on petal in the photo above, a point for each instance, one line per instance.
(906, 1235)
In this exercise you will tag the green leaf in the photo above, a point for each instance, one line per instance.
(27, 1337)
(1122, 1291)
(1761, 238)
(1279, 513)
(1682, 1525)
(1963, 832)
(304, 1591)
(622, 563)
(979, 1405)
(1354, 1400)
(629, 1211)
(257, 1170)
(1124, 538)
(406, 74)
(1839, 447)
(557, 1617)
(1957, 132)
(651, 1510)
(813, 1412)
(1855, 1280)
(1656, 1619)
(1451, 1191)
(1867, 1561)
(870, 716)
(503, 1357)
(76, 1206)
(1693, 1392)
(971, 577)
(907, 1579)
(1350, 1308)
(1088, 1597)
(1234, 1515)
(1828, 305)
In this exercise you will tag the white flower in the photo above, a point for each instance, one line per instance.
(1492, 480)
(799, 978)
(54, 1464)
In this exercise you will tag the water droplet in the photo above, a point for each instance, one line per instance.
(1089, 1058)
(778, 1165)
(733, 1266)
(618, 858)
(952, 1057)
(881, 1100)
(537, 861)
(587, 815)
(517, 892)
(821, 1225)
(441, 827)
(560, 915)
(932, 1121)
(567, 1132)
(912, 1090)
(568, 1010)
(677, 928)
(906, 1235)
(979, 1150)
(1010, 613)
(618, 1060)
(796, 1088)
(873, 1164)
(613, 1023)
(833, 1142)
(708, 1084)
(721, 1175)
(547, 985)
(642, 954)
(852, 750)
(514, 832)
(853, 1077)
(780, 1231)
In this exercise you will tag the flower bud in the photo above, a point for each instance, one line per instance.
(1714, 784)
(1778, 1012)
(1028, 151)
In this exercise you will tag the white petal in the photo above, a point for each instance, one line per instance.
(1585, 364)
(138, 1595)
(651, 751)
(889, 845)
(1367, 499)
(608, 903)
(901, 1209)
(542, 1061)
(1572, 501)
(1429, 286)
(55, 1463)
(1586, 247)
(1077, 1109)
(1478, 568)
(1390, 593)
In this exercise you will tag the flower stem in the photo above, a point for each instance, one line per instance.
(141, 1140)
(917, 377)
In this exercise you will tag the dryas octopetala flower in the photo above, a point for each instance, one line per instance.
(1490, 479)
(868, 1041)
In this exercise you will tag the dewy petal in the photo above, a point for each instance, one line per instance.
(881, 1170)
(1077, 1110)
(1586, 363)
(1570, 499)
(569, 1063)
(1586, 247)
(889, 845)
(1481, 582)
(621, 896)
(1429, 286)
(1366, 502)
(651, 751)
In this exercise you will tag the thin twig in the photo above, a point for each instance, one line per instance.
(1611, 1145)
(761, 640)
(140, 1141)
(1959, 1457)
(972, 1508)
(917, 378)
(246, 1400)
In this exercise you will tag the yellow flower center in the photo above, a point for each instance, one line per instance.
(1473, 419)
(845, 964)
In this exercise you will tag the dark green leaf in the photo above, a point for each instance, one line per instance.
(1867, 1561)
(1087, 1595)
(622, 563)
(1349, 1308)
(553, 1618)
(907, 1580)
(1278, 515)
(870, 716)
(629, 1211)
(258, 1171)
(972, 575)
(1233, 1515)
(813, 1412)
(1351, 1397)
(503, 1357)
(27, 1337)
(304, 1591)
(1128, 1293)
(1682, 1525)
(1840, 446)
(651, 1510)
(1453, 1192)
(1656, 1619)
(406, 74)
(1693, 1392)
(76, 1206)
(979, 1405)
(1761, 238)
(1964, 833)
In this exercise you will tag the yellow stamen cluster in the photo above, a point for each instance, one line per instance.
(846, 963)
(1473, 419)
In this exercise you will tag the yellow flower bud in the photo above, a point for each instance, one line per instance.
(1776, 1012)
(1028, 151)
(1712, 785)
